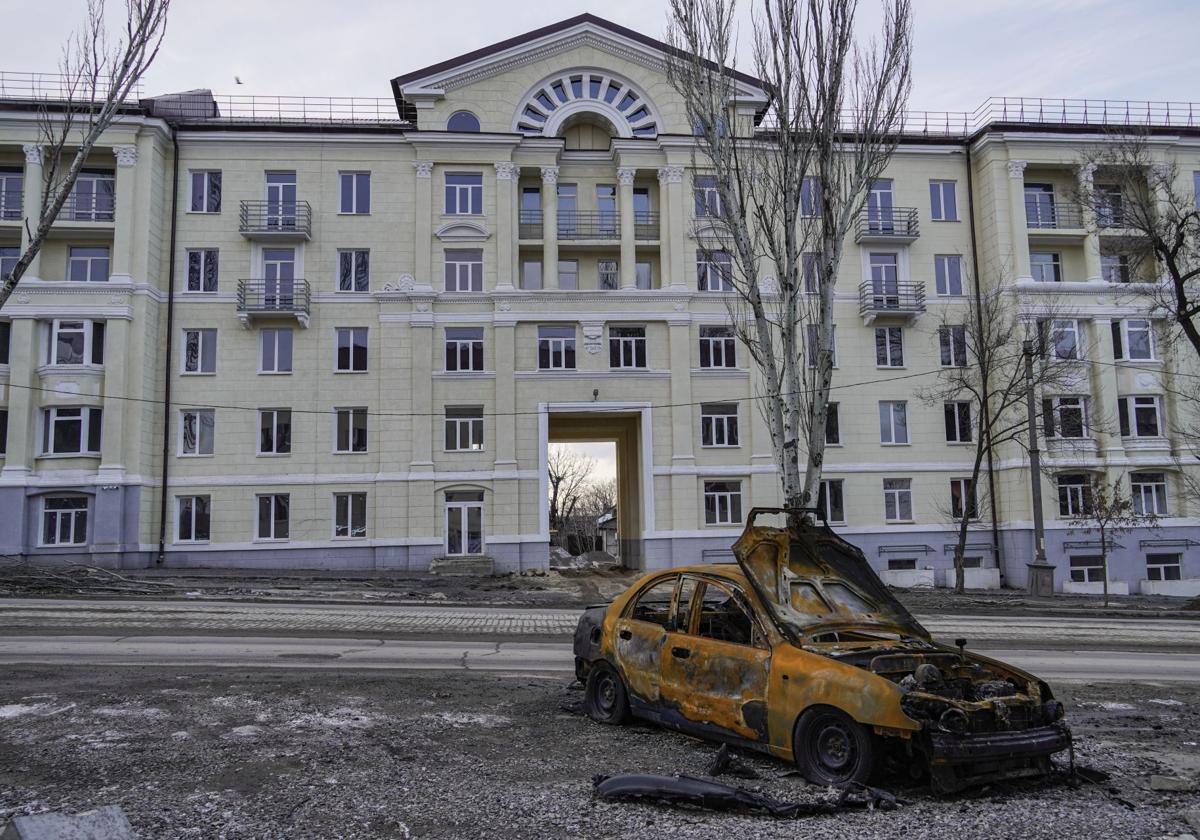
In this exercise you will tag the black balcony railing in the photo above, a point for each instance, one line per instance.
(276, 217)
(88, 207)
(1112, 217)
(11, 205)
(886, 223)
(575, 225)
(530, 224)
(1053, 215)
(273, 297)
(894, 298)
(645, 225)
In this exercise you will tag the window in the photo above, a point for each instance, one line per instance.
(812, 342)
(355, 190)
(947, 273)
(531, 274)
(627, 347)
(274, 510)
(942, 201)
(202, 267)
(719, 424)
(810, 271)
(464, 348)
(962, 499)
(464, 522)
(1039, 206)
(722, 502)
(1064, 338)
(829, 500)
(464, 193)
(464, 270)
(92, 197)
(724, 618)
(897, 499)
(1074, 495)
(462, 121)
(1046, 267)
(1087, 569)
(714, 271)
(70, 431)
(1114, 268)
(464, 428)
(64, 520)
(1133, 339)
(281, 205)
(893, 422)
(717, 347)
(568, 274)
(350, 430)
(1139, 416)
(197, 431)
(5, 341)
(206, 191)
(953, 344)
(8, 260)
(958, 422)
(567, 197)
(556, 348)
(810, 197)
(354, 271)
(199, 351)
(608, 274)
(275, 431)
(654, 604)
(708, 197)
(276, 355)
(889, 347)
(885, 281)
(902, 564)
(351, 349)
(1110, 206)
(607, 225)
(642, 275)
(76, 343)
(1149, 493)
(87, 265)
(193, 519)
(350, 515)
(833, 432)
(12, 194)
(1164, 567)
(1066, 417)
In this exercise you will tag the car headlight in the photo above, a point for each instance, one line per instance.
(953, 721)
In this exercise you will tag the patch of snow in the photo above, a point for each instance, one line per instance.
(14, 710)
(1167, 702)
(343, 718)
(1117, 707)
(130, 710)
(248, 731)
(181, 735)
(461, 719)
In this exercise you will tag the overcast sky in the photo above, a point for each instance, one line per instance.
(965, 51)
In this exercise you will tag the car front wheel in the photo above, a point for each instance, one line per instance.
(832, 749)
(606, 698)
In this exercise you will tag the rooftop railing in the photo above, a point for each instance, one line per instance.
(57, 87)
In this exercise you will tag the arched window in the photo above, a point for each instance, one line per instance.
(544, 107)
(462, 121)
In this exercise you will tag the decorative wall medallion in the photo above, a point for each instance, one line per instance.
(769, 286)
(407, 282)
(1146, 380)
(593, 336)
(504, 305)
(23, 297)
(680, 305)
(116, 299)
(422, 306)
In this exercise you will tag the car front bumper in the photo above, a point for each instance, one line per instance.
(957, 761)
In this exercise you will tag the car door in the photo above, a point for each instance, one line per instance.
(640, 634)
(716, 662)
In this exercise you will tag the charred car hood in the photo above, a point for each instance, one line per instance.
(814, 582)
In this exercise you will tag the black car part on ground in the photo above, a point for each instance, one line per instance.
(725, 763)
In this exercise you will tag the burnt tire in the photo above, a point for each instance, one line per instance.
(605, 697)
(832, 749)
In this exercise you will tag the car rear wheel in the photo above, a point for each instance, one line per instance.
(606, 698)
(832, 749)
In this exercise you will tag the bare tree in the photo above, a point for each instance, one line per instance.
(596, 498)
(1108, 511)
(97, 81)
(790, 190)
(982, 385)
(570, 473)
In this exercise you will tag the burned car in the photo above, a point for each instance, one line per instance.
(799, 650)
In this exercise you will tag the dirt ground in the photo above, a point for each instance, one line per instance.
(319, 754)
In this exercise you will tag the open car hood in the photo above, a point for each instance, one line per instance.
(814, 581)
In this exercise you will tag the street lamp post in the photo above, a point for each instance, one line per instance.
(1041, 580)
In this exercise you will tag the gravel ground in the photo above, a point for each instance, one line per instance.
(306, 754)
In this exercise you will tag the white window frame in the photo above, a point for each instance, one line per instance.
(195, 418)
(714, 271)
(276, 415)
(54, 415)
(888, 425)
(204, 258)
(472, 193)
(1077, 498)
(810, 197)
(349, 414)
(811, 342)
(707, 197)
(353, 258)
(463, 270)
(461, 509)
(1149, 487)
(355, 209)
(1037, 270)
(608, 275)
(556, 348)
(1115, 264)
(825, 500)
(719, 425)
(76, 515)
(531, 275)
(472, 348)
(627, 350)
(204, 337)
(946, 281)
(721, 345)
(1128, 407)
(952, 345)
(722, 502)
(833, 420)
(1156, 569)
(191, 516)
(91, 262)
(274, 333)
(966, 492)
(273, 536)
(1090, 573)
(896, 498)
(344, 511)
(958, 428)
(892, 347)
(463, 426)
(1061, 327)
(206, 192)
(1068, 402)
(87, 328)
(351, 334)
(1124, 328)
(937, 200)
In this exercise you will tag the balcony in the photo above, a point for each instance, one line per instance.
(275, 220)
(886, 224)
(896, 299)
(645, 226)
(589, 226)
(273, 299)
(11, 205)
(529, 224)
(1053, 216)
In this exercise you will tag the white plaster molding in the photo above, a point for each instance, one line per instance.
(670, 174)
(625, 175)
(126, 155)
(462, 232)
(1016, 169)
(549, 174)
(424, 168)
(507, 171)
(593, 336)
(33, 153)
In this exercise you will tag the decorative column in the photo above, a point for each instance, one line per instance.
(1105, 387)
(32, 205)
(421, 332)
(116, 387)
(625, 176)
(671, 235)
(506, 227)
(683, 485)
(18, 461)
(121, 269)
(1091, 244)
(549, 227)
(1017, 220)
(423, 229)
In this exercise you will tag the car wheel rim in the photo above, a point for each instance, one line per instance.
(606, 694)
(835, 748)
